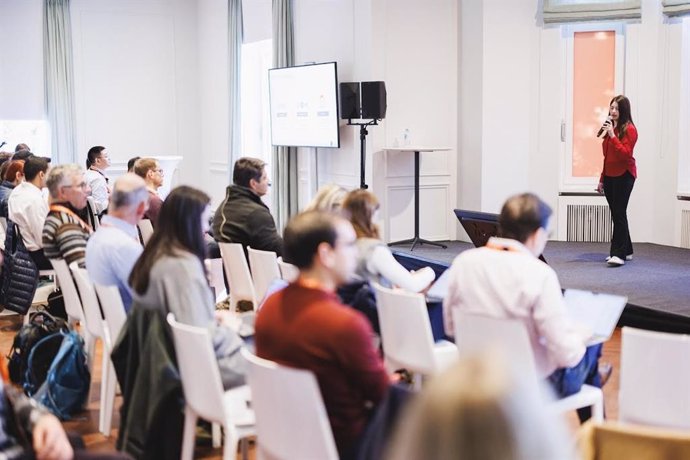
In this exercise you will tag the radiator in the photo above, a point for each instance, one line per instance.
(588, 222)
(685, 229)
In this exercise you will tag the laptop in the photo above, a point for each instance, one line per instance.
(600, 312)
(438, 291)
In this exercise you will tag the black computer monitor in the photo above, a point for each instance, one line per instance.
(480, 226)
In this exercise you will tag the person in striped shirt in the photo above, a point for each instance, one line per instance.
(64, 233)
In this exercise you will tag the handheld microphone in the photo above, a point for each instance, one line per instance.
(602, 129)
(3, 143)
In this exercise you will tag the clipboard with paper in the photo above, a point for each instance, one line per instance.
(600, 312)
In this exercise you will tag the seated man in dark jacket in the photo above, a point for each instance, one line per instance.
(242, 217)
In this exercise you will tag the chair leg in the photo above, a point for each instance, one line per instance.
(189, 434)
(108, 403)
(598, 411)
(231, 442)
(105, 370)
(215, 435)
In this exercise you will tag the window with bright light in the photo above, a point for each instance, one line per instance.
(34, 133)
(255, 114)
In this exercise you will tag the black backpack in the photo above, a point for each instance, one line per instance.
(41, 324)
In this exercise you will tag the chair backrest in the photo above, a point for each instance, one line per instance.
(288, 271)
(291, 420)
(264, 268)
(89, 301)
(201, 382)
(237, 272)
(145, 230)
(614, 441)
(91, 209)
(3, 224)
(655, 379)
(73, 306)
(113, 309)
(215, 269)
(475, 333)
(405, 330)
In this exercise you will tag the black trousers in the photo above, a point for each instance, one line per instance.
(617, 191)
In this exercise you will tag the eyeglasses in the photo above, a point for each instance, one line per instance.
(83, 185)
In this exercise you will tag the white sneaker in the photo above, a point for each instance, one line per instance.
(628, 257)
(615, 261)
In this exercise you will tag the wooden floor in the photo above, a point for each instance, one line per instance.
(86, 423)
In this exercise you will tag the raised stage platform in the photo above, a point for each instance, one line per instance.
(656, 281)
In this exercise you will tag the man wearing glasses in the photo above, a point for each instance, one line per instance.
(64, 233)
(150, 170)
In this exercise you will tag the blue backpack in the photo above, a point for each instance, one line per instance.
(66, 386)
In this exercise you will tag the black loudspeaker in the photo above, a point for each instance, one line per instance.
(373, 100)
(349, 100)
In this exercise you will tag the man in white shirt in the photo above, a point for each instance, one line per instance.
(97, 161)
(28, 208)
(505, 279)
(114, 248)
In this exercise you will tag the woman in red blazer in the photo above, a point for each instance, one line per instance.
(618, 175)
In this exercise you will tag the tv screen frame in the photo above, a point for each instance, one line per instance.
(294, 97)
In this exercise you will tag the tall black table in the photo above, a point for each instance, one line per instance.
(416, 239)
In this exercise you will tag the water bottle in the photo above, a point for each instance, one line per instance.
(406, 137)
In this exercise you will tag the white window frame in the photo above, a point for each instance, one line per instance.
(568, 183)
(684, 115)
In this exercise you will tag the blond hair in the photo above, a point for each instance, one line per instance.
(329, 198)
(478, 409)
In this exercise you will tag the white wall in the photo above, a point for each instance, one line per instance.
(136, 80)
(21, 58)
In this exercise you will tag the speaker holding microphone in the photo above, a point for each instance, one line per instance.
(603, 127)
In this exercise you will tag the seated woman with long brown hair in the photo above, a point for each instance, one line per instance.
(376, 262)
(170, 274)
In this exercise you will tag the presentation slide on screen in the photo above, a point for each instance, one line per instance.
(304, 108)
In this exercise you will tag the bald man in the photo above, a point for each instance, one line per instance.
(114, 248)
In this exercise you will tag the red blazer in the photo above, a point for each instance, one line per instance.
(618, 154)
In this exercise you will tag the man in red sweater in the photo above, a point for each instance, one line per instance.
(305, 325)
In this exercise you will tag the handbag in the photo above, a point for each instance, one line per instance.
(20, 274)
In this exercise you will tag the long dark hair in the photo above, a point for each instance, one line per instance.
(178, 229)
(624, 115)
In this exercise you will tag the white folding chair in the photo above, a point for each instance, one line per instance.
(476, 333)
(73, 306)
(145, 230)
(98, 328)
(93, 217)
(237, 272)
(287, 271)
(215, 269)
(406, 334)
(291, 420)
(112, 308)
(655, 379)
(264, 268)
(203, 391)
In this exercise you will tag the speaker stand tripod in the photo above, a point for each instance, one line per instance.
(362, 147)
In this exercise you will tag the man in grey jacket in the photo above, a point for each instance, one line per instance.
(242, 217)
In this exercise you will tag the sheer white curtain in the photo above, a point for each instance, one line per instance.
(563, 11)
(284, 167)
(59, 80)
(235, 38)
